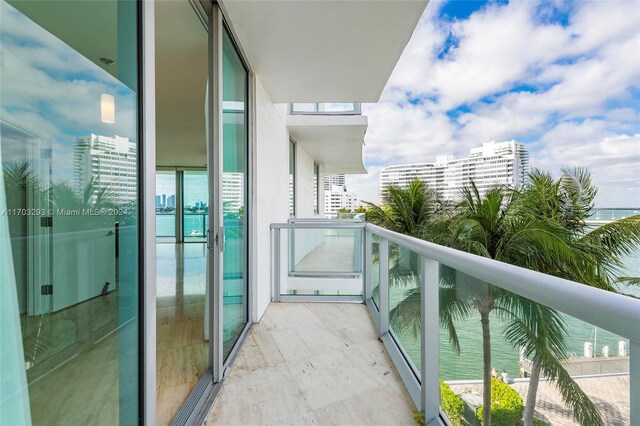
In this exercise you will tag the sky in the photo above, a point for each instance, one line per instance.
(563, 77)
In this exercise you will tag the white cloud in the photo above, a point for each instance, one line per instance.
(574, 99)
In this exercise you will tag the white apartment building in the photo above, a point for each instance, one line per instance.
(333, 180)
(493, 164)
(111, 162)
(232, 191)
(339, 198)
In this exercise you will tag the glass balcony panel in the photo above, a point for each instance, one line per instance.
(325, 251)
(322, 261)
(166, 204)
(195, 208)
(405, 301)
(375, 270)
(593, 361)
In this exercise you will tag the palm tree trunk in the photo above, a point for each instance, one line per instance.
(530, 405)
(486, 368)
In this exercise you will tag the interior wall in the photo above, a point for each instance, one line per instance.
(271, 183)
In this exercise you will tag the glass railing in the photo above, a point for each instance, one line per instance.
(325, 109)
(195, 226)
(318, 258)
(455, 323)
(165, 224)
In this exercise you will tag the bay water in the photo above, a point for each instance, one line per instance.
(467, 365)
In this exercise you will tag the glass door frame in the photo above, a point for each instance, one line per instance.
(215, 234)
(197, 405)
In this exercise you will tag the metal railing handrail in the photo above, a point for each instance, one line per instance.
(614, 312)
(329, 222)
(318, 225)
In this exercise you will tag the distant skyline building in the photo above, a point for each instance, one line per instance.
(232, 191)
(334, 180)
(493, 164)
(110, 163)
(339, 198)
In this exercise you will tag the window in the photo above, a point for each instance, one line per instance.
(316, 188)
(292, 178)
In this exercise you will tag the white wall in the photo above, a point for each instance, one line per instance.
(304, 183)
(270, 191)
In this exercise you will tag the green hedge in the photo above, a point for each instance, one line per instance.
(452, 404)
(506, 405)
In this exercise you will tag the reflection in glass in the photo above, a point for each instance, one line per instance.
(404, 300)
(165, 204)
(234, 187)
(71, 185)
(316, 188)
(292, 178)
(375, 269)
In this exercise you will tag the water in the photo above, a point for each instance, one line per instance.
(468, 364)
(193, 224)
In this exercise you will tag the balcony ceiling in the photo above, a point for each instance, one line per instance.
(335, 142)
(323, 51)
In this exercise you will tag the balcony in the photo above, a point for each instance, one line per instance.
(331, 133)
(321, 362)
(353, 108)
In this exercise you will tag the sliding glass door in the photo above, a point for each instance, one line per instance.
(234, 194)
(69, 147)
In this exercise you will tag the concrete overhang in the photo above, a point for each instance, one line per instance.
(323, 51)
(335, 142)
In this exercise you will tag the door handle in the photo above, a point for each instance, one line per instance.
(220, 239)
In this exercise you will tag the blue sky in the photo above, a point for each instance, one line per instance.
(563, 77)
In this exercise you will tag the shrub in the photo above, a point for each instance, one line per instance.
(506, 405)
(452, 404)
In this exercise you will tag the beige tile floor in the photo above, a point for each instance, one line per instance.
(337, 252)
(181, 351)
(317, 363)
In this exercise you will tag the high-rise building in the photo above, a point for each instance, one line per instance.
(493, 164)
(339, 198)
(109, 163)
(158, 202)
(333, 180)
(232, 192)
(171, 201)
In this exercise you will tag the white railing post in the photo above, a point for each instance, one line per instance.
(384, 287)
(634, 382)
(430, 318)
(276, 264)
(366, 262)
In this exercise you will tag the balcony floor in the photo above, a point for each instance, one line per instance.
(314, 363)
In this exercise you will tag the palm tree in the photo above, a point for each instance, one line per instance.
(492, 226)
(569, 202)
(406, 210)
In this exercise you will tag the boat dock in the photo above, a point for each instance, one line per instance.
(583, 366)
